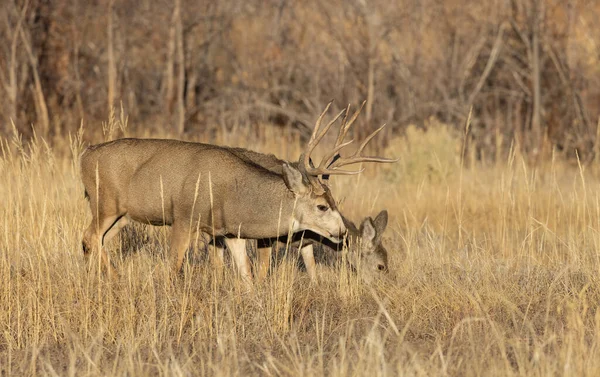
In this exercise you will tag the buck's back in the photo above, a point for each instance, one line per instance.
(155, 180)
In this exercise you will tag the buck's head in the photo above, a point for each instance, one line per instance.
(367, 253)
(314, 208)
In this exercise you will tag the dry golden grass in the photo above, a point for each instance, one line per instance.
(495, 271)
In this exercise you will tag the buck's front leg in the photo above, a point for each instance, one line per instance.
(217, 257)
(308, 257)
(237, 247)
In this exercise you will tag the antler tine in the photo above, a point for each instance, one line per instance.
(326, 161)
(327, 127)
(319, 120)
(331, 171)
(346, 125)
(342, 133)
(355, 160)
(358, 157)
(329, 164)
(342, 172)
(316, 136)
(368, 139)
(314, 142)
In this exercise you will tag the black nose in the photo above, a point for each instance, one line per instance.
(381, 267)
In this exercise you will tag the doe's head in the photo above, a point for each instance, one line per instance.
(367, 253)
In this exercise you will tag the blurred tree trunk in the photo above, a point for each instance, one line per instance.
(180, 61)
(11, 86)
(191, 70)
(112, 74)
(536, 126)
(175, 71)
(78, 81)
(20, 33)
(38, 93)
(49, 36)
(168, 91)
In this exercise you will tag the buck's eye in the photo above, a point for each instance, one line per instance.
(322, 208)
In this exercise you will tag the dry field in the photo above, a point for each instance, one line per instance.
(494, 272)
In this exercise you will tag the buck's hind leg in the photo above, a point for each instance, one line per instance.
(180, 241)
(263, 261)
(115, 229)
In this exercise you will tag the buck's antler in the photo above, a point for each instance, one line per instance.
(332, 161)
(316, 137)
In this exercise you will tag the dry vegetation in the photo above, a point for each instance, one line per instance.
(494, 271)
(494, 237)
(529, 68)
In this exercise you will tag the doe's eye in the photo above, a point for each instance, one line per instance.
(322, 207)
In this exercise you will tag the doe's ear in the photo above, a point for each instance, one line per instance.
(367, 230)
(381, 221)
(293, 180)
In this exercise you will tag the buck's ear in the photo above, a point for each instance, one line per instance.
(381, 221)
(367, 230)
(293, 180)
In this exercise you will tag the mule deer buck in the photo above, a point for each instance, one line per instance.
(364, 244)
(213, 189)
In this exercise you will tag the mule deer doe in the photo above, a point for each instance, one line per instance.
(366, 253)
(200, 186)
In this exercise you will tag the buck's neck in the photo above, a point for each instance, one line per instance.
(261, 216)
